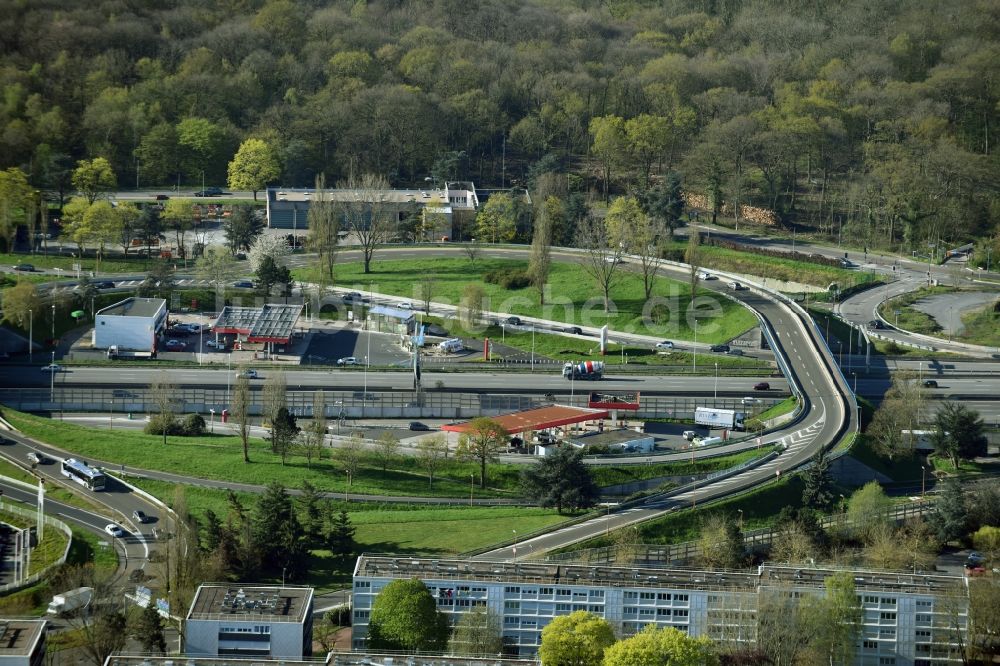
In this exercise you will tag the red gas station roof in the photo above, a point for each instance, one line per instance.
(538, 419)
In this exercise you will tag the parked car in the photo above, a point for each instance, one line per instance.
(114, 530)
(761, 386)
(513, 321)
(417, 426)
(930, 383)
(720, 349)
(352, 297)
(173, 344)
(666, 344)
(140, 516)
(749, 400)
(348, 360)
(874, 324)
(249, 373)
(735, 352)
(689, 435)
(215, 344)
(52, 367)
(405, 305)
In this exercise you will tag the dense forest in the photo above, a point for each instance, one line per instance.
(868, 118)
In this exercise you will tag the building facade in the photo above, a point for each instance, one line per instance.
(243, 621)
(131, 325)
(908, 619)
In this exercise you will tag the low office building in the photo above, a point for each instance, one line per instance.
(130, 325)
(22, 642)
(908, 619)
(245, 621)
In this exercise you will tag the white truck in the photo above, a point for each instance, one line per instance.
(719, 418)
(114, 351)
(67, 602)
(451, 346)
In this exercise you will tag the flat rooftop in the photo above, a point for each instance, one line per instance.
(174, 660)
(134, 307)
(746, 580)
(269, 323)
(218, 601)
(19, 637)
(429, 196)
(539, 418)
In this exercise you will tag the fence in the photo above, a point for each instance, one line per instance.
(348, 404)
(651, 555)
(31, 516)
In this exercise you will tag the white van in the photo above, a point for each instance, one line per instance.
(708, 441)
(451, 346)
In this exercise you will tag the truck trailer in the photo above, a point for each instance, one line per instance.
(583, 370)
(67, 602)
(719, 418)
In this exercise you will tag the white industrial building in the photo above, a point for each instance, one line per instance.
(909, 619)
(130, 325)
(245, 621)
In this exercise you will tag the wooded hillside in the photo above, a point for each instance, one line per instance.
(874, 117)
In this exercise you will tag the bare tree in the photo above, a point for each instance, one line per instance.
(899, 411)
(425, 292)
(162, 390)
(241, 411)
(472, 251)
(431, 452)
(324, 229)
(602, 258)
(387, 447)
(101, 627)
(368, 213)
(275, 395)
(349, 455)
(473, 298)
(314, 435)
(692, 255)
(540, 259)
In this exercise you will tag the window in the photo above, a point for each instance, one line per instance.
(871, 600)
(870, 645)
(888, 616)
(647, 612)
(680, 597)
(680, 613)
(362, 584)
(887, 661)
(562, 592)
(922, 634)
(596, 609)
(511, 605)
(512, 589)
(510, 621)
(597, 594)
(545, 590)
(361, 615)
(887, 633)
(888, 601)
(630, 610)
(631, 595)
(924, 603)
(923, 617)
(663, 596)
(562, 608)
(649, 596)
(662, 611)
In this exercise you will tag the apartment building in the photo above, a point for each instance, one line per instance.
(909, 619)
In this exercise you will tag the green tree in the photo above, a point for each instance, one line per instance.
(147, 629)
(158, 154)
(655, 646)
(284, 431)
(868, 510)
(278, 534)
(129, 217)
(405, 617)
(647, 137)
(20, 302)
(310, 504)
(472, 304)
(577, 639)
(665, 202)
(242, 228)
(483, 441)
(958, 433)
(200, 143)
(950, 518)
(254, 166)
(833, 622)
(987, 540)
(720, 542)
(496, 221)
(15, 193)
(270, 275)
(275, 396)
(94, 178)
(340, 536)
(561, 480)
(610, 145)
(899, 410)
(635, 232)
(431, 453)
(387, 448)
(817, 483)
(241, 411)
(478, 633)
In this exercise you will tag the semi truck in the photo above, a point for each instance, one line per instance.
(114, 351)
(67, 602)
(583, 370)
(719, 418)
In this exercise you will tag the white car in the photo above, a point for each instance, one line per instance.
(405, 305)
(666, 344)
(174, 344)
(52, 367)
(215, 345)
(249, 373)
(348, 360)
(114, 530)
(689, 435)
(735, 286)
(705, 275)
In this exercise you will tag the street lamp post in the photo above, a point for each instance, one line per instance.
(31, 335)
(212, 426)
(52, 379)
(716, 397)
(53, 323)
(923, 480)
(514, 551)
(472, 485)
(694, 349)
(111, 415)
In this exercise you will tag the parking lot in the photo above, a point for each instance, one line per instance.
(329, 344)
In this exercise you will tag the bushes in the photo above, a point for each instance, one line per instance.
(193, 425)
(508, 278)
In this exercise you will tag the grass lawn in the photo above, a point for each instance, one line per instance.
(573, 297)
(49, 549)
(909, 318)
(405, 529)
(777, 268)
(220, 457)
(982, 326)
(87, 264)
(784, 407)
(899, 469)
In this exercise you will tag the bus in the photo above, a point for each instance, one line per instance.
(83, 474)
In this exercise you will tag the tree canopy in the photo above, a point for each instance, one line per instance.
(560, 480)
(577, 639)
(654, 646)
(405, 617)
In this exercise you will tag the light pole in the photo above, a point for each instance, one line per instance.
(716, 381)
(53, 324)
(515, 547)
(229, 374)
(111, 414)
(694, 349)
(923, 480)
(31, 335)
(212, 426)
(532, 347)
(472, 485)
(52, 378)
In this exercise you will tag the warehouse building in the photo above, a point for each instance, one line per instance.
(130, 325)
(908, 619)
(245, 621)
